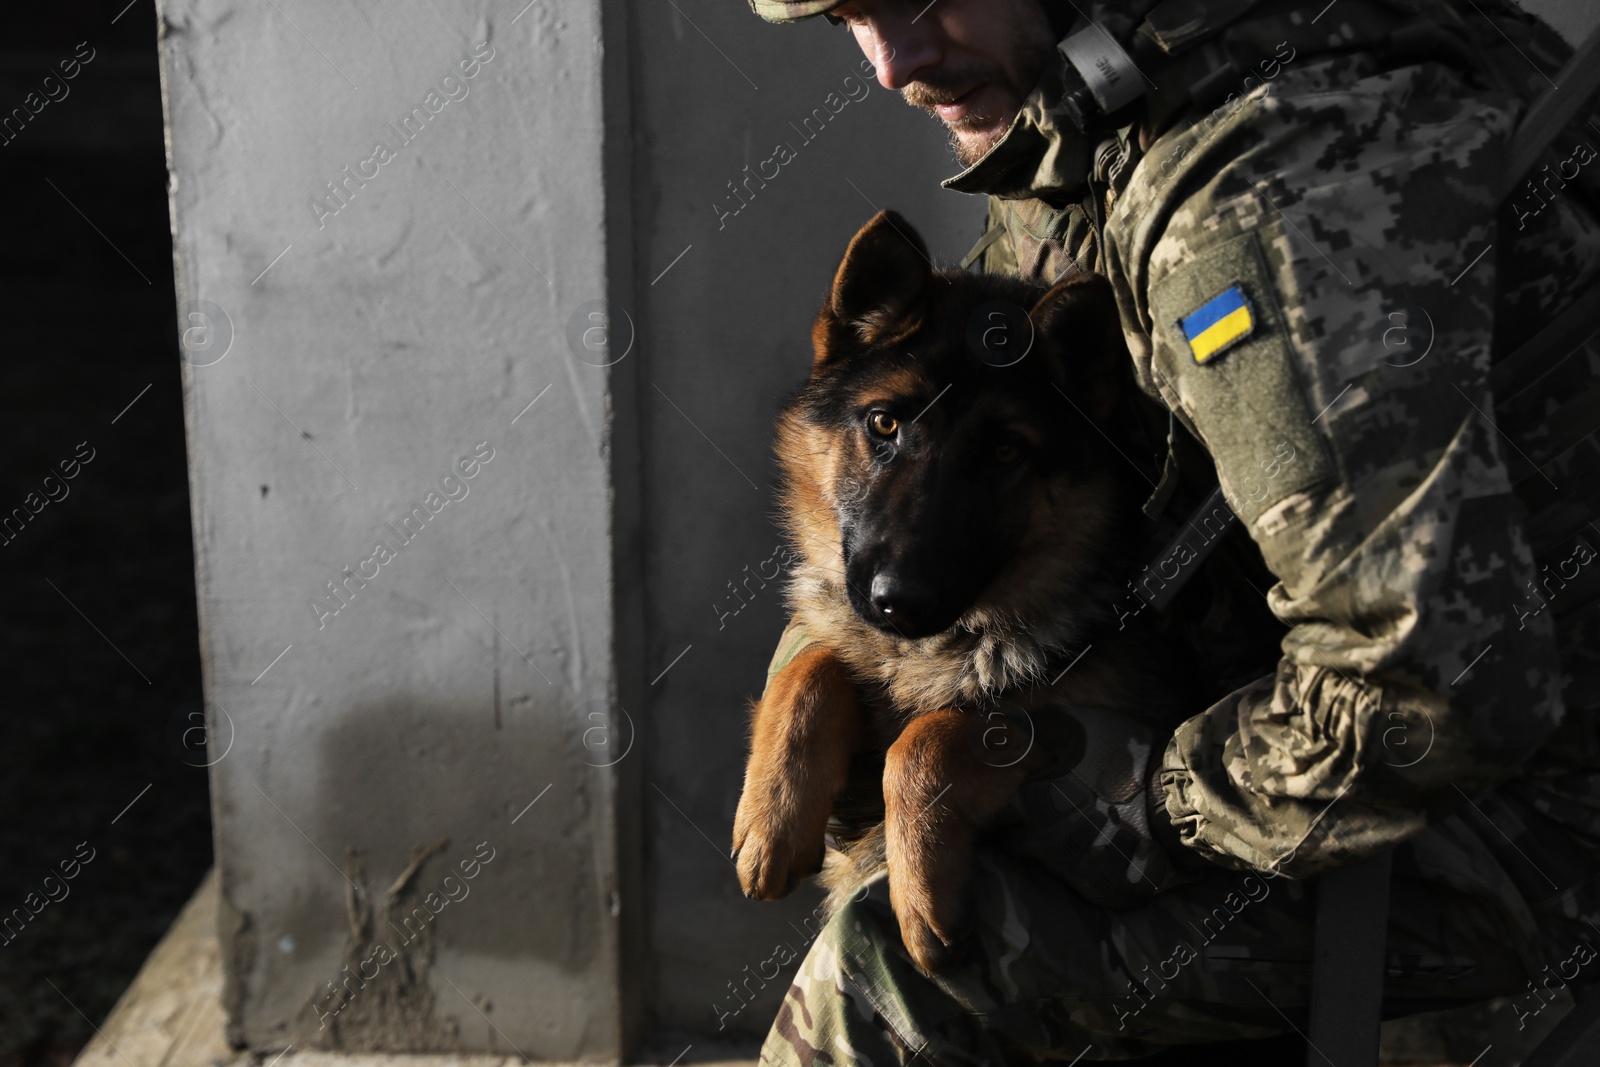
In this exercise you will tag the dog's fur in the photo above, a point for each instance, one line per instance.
(997, 522)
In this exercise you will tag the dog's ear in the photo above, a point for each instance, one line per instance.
(878, 289)
(1079, 320)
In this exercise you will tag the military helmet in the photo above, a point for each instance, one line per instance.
(791, 10)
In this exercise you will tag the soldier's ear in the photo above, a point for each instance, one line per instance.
(1079, 322)
(877, 291)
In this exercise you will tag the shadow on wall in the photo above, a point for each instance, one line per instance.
(393, 959)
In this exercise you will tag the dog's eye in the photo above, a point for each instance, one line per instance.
(883, 424)
(1009, 449)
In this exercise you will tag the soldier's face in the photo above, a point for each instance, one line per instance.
(970, 63)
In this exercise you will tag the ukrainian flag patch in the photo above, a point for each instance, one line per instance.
(1218, 324)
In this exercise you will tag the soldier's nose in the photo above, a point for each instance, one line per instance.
(899, 45)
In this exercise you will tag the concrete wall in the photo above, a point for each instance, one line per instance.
(361, 346)
(356, 322)
(725, 340)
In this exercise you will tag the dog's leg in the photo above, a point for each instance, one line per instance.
(943, 781)
(803, 732)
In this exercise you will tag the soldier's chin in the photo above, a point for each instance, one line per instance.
(971, 141)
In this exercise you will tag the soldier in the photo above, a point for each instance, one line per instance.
(1299, 207)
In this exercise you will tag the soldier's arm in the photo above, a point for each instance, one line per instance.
(1341, 205)
(796, 639)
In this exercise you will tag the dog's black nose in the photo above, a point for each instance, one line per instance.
(899, 600)
(884, 591)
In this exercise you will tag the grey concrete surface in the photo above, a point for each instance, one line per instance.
(387, 319)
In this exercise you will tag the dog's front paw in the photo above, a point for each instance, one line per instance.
(775, 845)
(937, 791)
(928, 888)
(929, 949)
(803, 731)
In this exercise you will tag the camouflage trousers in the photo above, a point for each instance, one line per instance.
(1046, 975)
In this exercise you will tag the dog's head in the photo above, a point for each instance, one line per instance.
(950, 463)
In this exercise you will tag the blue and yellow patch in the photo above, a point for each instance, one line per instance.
(1218, 324)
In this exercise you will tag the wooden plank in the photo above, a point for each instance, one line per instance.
(172, 1013)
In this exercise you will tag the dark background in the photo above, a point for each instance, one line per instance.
(84, 330)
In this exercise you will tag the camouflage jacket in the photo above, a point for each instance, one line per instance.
(1315, 281)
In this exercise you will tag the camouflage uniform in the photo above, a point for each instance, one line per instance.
(1432, 543)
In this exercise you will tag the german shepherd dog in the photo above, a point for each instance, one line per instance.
(964, 529)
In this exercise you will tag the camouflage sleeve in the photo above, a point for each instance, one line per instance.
(794, 640)
(1266, 258)
(1090, 824)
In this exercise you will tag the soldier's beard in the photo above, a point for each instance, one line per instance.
(970, 146)
(973, 134)
(996, 61)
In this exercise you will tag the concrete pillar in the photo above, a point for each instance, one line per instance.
(481, 370)
(405, 519)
